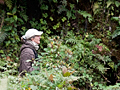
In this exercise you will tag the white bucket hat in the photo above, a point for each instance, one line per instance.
(32, 32)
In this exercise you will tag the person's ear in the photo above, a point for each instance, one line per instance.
(32, 39)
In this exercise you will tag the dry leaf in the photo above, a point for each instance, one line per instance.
(72, 72)
(51, 78)
(8, 58)
(64, 70)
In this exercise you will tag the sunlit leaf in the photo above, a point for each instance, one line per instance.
(33, 87)
(96, 6)
(71, 88)
(66, 74)
(8, 13)
(1, 51)
(109, 3)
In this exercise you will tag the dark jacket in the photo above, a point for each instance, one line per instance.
(27, 53)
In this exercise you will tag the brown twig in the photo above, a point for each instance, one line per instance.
(105, 78)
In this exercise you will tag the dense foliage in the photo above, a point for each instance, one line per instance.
(78, 37)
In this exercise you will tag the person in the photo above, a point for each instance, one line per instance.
(31, 41)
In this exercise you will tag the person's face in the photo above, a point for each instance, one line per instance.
(36, 39)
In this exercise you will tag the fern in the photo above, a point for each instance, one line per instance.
(71, 38)
(72, 41)
(116, 33)
(8, 3)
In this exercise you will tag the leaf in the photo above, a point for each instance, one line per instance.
(115, 18)
(77, 1)
(46, 73)
(117, 3)
(8, 13)
(1, 51)
(33, 87)
(71, 88)
(96, 6)
(14, 10)
(8, 58)
(69, 14)
(71, 6)
(61, 84)
(51, 18)
(8, 3)
(109, 3)
(64, 70)
(115, 33)
(111, 64)
(15, 17)
(66, 74)
(51, 78)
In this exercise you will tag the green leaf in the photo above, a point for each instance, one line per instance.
(116, 33)
(85, 15)
(44, 7)
(96, 83)
(55, 1)
(14, 10)
(66, 74)
(71, 6)
(15, 17)
(115, 18)
(109, 3)
(1, 51)
(8, 13)
(61, 84)
(45, 15)
(96, 6)
(117, 3)
(77, 1)
(69, 14)
(111, 64)
(63, 19)
(51, 18)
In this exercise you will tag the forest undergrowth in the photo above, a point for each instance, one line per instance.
(79, 48)
(71, 63)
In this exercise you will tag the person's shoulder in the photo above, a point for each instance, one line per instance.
(27, 50)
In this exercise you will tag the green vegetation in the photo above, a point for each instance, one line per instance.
(79, 48)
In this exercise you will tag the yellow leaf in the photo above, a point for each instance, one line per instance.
(29, 88)
(66, 74)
